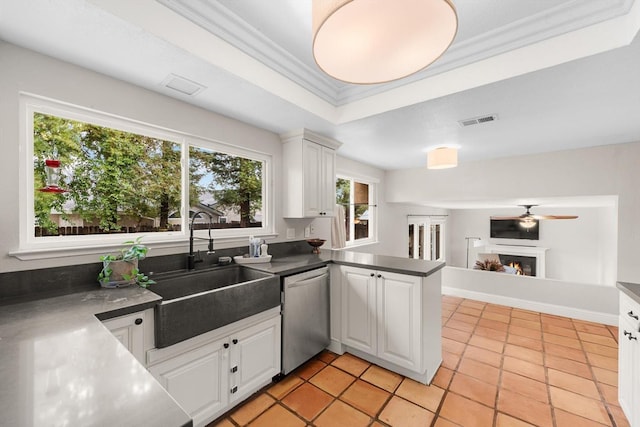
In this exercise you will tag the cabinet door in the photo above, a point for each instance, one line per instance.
(399, 319)
(312, 176)
(359, 308)
(628, 355)
(130, 331)
(254, 358)
(328, 185)
(197, 380)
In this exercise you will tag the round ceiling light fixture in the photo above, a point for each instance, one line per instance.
(367, 42)
(442, 158)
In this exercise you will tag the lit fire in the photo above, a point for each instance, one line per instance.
(518, 268)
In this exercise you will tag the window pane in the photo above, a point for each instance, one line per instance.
(228, 187)
(361, 210)
(343, 197)
(115, 181)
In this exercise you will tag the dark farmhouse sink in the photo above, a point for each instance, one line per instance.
(198, 302)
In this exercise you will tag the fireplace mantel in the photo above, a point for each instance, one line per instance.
(532, 251)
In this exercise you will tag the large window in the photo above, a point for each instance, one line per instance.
(90, 177)
(427, 237)
(358, 199)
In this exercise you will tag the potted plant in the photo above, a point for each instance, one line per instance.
(122, 269)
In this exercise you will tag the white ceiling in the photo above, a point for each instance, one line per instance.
(560, 74)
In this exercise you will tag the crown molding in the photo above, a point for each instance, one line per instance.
(561, 19)
(223, 23)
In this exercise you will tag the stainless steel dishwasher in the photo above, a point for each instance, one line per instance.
(305, 317)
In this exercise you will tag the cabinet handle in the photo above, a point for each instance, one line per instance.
(629, 335)
(225, 345)
(235, 341)
(138, 321)
(630, 314)
(379, 276)
(372, 274)
(234, 389)
(234, 369)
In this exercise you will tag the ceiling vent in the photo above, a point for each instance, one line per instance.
(478, 120)
(182, 85)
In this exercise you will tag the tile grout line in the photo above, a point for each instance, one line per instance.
(469, 334)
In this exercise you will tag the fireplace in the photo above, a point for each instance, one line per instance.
(530, 259)
(524, 265)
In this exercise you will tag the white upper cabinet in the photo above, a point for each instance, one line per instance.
(309, 175)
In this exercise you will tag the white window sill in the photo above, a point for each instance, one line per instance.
(30, 254)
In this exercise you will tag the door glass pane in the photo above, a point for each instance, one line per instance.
(411, 227)
(421, 241)
(435, 242)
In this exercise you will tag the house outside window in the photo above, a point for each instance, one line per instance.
(357, 197)
(112, 176)
(427, 237)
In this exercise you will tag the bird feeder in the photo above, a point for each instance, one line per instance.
(53, 175)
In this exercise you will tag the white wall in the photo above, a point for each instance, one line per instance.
(606, 170)
(593, 303)
(581, 250)
(24, 70)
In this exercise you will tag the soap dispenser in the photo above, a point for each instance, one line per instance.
(263, 249)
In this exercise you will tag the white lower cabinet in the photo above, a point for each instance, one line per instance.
(197, 380)
(134, 331)
(209, 374)
(359, 318)
(629, 359)
(393, 317)
(254, 358)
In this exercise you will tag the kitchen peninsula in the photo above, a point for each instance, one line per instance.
(384, 309)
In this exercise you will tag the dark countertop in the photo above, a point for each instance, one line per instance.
(288, 265)
(632, 290)
(60, 366)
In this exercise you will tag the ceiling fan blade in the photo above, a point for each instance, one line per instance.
(554, 216)
(508, 217)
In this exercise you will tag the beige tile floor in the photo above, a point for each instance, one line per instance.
(502, 367)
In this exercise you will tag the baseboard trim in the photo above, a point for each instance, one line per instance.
(558, 310)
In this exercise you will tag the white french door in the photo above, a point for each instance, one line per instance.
(426, 237)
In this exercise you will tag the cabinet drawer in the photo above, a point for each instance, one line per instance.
(629, 310)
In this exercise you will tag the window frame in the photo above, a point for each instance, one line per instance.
(32, 247)
(373, 204)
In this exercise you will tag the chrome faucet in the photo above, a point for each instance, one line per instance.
(191, 258)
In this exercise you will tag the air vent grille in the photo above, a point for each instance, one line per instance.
(182, 85)
(478, 120)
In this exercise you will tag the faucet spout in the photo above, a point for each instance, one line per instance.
(192, 259)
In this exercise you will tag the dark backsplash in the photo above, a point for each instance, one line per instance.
(18, 286)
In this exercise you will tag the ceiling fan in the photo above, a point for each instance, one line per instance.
(528, 217)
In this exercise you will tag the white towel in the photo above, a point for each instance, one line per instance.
(338, 229)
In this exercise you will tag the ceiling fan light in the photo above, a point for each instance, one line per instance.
(359, 42)
(528, 223)
(442, 158)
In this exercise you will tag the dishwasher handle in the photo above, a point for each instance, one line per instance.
(306, 282)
